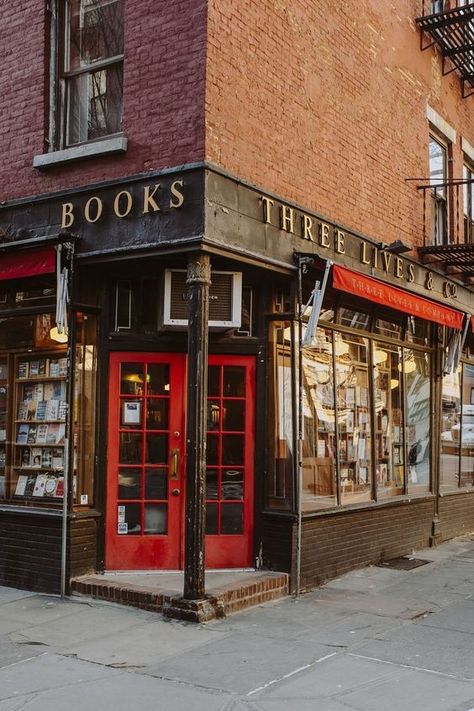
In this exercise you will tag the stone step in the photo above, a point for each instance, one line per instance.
(247, 590)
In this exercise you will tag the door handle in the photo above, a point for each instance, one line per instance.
(174, 465)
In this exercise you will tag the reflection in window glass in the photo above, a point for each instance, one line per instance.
(354, 319)
(392, 329)
(418, 331)
(418, 417)
(467, 428)
(450, 430)
(389, 462)
(319, 466)
(354, 418)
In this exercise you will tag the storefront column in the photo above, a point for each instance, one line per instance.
(198, 281)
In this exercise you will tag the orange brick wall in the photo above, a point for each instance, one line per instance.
(325, 104)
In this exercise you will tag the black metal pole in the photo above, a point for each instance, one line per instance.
(198, 281)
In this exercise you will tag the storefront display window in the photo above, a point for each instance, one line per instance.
(416, 367)
(466, 433)
(450, 430)
(319, 438)
(281, 415)
(389, 457)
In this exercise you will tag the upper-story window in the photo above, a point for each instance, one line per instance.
(438, 158)
(468, 202)
(90, 64)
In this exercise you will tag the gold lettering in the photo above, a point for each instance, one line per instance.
(398, 268)
(177, 194)
(375, 258)
(429, 281)
(87, 209)
(387, 260)
(324, 235)
(411, 273)
(149, 199)
(287, 219)
(307, 226)
(340, 246)
(267, 209)
(67, 219)
(129, 204)
(363, 253)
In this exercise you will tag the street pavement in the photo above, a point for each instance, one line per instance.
(376, 639)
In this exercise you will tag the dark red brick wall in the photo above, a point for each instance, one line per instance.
(164, 74)
(456, 515)
(325, 104)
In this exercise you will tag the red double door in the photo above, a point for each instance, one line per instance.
(146, 461)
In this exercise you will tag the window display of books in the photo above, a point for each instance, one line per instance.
(40, 411)
(3, 422)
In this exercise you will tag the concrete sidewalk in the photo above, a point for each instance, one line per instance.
(374, 640)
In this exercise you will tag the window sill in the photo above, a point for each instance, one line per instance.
(108, 146)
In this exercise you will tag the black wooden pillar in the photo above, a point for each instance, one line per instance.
(198, 281)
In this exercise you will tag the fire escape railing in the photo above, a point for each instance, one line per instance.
(450, 25)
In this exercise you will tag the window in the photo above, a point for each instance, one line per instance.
(439, 205)
(457, 429)
(90, 60)
(468, 203)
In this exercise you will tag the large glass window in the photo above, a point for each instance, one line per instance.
(418, 418)
(389, 464)
(91, 70)
(319, 438)
(468, 203)
(439, 206)
(457, 429)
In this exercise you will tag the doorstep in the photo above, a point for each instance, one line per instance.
(226, 591)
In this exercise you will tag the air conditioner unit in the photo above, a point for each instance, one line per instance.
(225, 300)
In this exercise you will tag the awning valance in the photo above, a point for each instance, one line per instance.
(398, 299)
(27, 263)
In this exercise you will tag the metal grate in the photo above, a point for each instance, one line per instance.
(403, 563)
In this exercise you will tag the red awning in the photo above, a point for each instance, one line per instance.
(375, 290)
(28, 262)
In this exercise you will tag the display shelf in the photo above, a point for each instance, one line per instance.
(39, 427)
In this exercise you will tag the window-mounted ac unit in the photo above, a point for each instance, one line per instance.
(225, 300)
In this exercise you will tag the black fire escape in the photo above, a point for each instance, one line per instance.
(450, 25)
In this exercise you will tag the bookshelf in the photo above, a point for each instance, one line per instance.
(40, 410)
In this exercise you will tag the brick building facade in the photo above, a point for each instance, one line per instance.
(194, 173)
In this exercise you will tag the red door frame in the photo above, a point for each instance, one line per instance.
(140, 552)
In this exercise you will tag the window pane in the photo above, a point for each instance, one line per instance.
(212, 484)
(156, 483)
(392, 329)
(211, 519)
(156, 519)
(94, 104)
(234, 381)
(319, 470)
(353, 319)
(232, 519)
(437, 166)
(157, 413)
(450, 430)
(418, 331)
(130, 448)
(389, 463)
(129, 481)
(95, 31)
(158, 379)
(129, 519)
(157, 448)
(131, 379)
(418, 416)
(467, 428)
(232, 484)
(354, 418)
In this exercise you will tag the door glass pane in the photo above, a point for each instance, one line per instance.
(233, 484)
(213, 415)
(211, 519)
(212, 484)
(131, 378)
(234, 415)
(467, 428)
(352, 379)
(418, 418)
(234, 381)
(450, 430)
(319, 470)
(233, 449)
(157, 414)
(212, 449)
(129, 483)
(129, 519)
(156, 483)
(158, 379)
(130, 448)
(156, 519)
(213, 381)
(156, 448)
(389, 469)
(232, 519)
